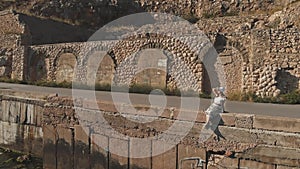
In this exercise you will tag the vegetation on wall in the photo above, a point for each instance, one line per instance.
(288, 98)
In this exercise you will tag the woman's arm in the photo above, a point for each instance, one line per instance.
(216, 93)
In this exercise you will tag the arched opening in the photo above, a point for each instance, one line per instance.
(37, 68)
(286, 81)
(151, 68)
(65, 65)
(101, 64)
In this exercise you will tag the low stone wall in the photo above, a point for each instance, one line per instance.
(21, 124)
(253, 141)
(53, 129)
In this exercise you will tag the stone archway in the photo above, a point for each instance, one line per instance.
(182, 61)
(104, 70)
(232, 55)
(286, 80)
(151, 68)
(65, 66)
(37, 68)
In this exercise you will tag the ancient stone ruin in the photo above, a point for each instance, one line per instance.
(263, 60)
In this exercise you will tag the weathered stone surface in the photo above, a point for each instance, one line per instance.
(255, 165)
(274, 155)
(119, 151)
(65, 143)
(228, 119)
(81, 148)
(276, 123)
(244, 121)
(49, 140)
(99, 151)
(165, 160)
(188, 156)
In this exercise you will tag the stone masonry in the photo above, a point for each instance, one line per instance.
(262, 60)
(53, 128)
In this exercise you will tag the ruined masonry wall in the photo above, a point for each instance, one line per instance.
(53, 129)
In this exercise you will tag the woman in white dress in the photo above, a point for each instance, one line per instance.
(213, 117)
(217, 106)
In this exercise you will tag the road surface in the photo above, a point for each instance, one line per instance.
(171, 101)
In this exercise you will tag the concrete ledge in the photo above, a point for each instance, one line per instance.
(277, 123)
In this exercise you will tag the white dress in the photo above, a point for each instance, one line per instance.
(216, 107)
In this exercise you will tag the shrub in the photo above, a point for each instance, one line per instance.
(291, 98)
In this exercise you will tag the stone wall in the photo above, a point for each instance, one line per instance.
(21, 124)
(247, 140)
(11, 38)
(255, 58)
(275, 62)
(53, 129)
(120, 53)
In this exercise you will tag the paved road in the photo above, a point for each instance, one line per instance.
(171, 101)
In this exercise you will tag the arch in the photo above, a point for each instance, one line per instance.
(104, 70)
(37, 70)
(286, 80)
(64, 67)
(151, 72)
(232, 55)
(180, 58)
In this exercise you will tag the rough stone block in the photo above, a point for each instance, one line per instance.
(244, 121)
(291, 140)
(50, 139)
(140, 153)
(201, 117)
(81, 149)
(228, 119)
(277, 123)
(23, 113)
(39, 115)
(274, 155)
(64, 147)
(188, 156)
(30, 114)
(5, 111)
(99, 151)
(119, 151)
(255, 165)
(227, 162)
(165, 159)
(285, 167)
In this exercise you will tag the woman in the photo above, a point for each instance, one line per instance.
(217, 106)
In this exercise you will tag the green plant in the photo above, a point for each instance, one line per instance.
(291, 98)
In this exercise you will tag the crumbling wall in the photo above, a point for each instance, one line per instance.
(11, 38)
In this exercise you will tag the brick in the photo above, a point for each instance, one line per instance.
(277, 123)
